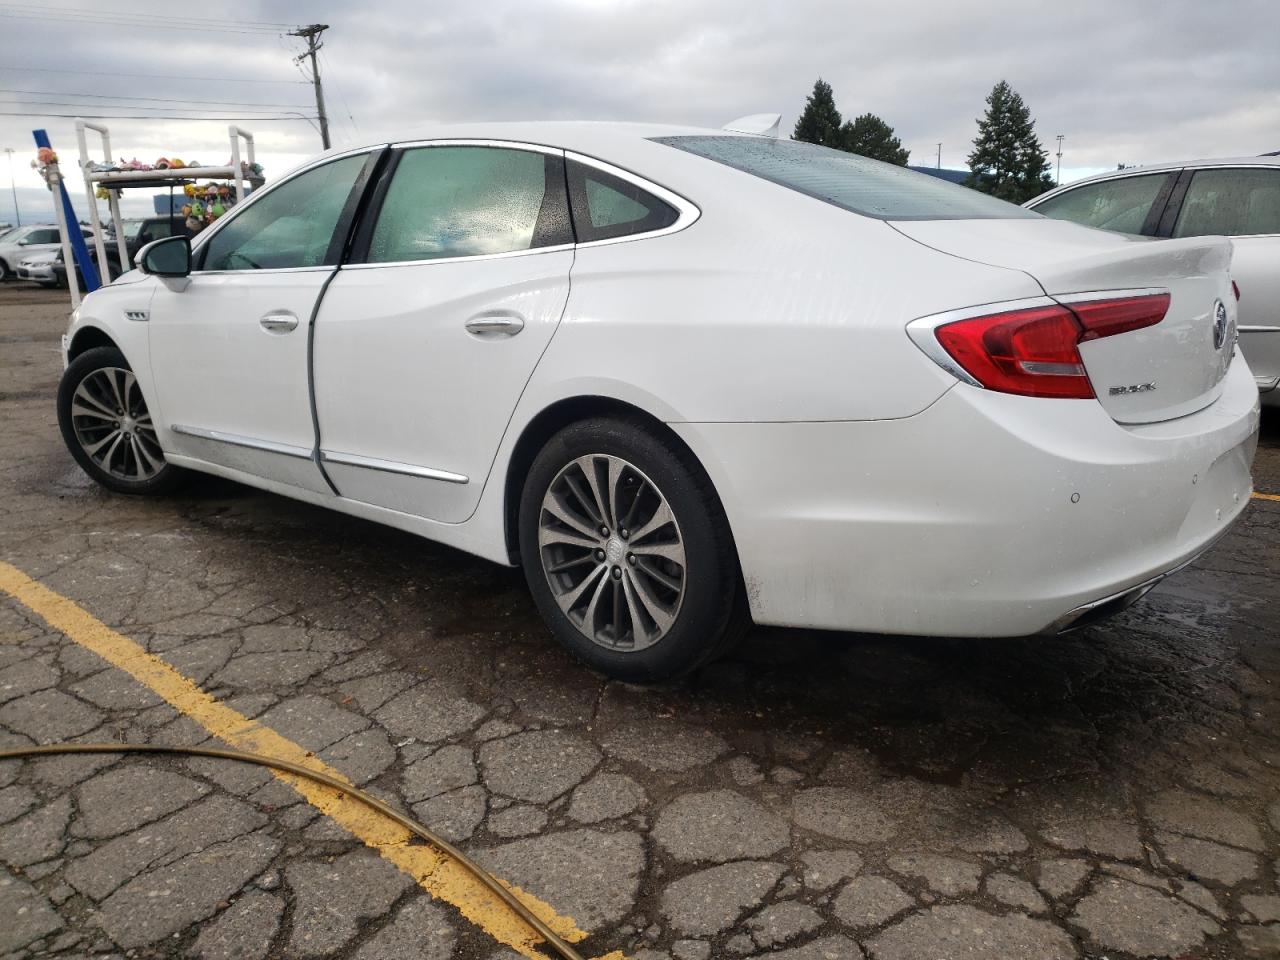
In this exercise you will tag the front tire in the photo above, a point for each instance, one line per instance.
(107, 427)
(627, 551)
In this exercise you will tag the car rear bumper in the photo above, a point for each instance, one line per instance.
(984, 515)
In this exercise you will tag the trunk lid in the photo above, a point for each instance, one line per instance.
(1168, 370)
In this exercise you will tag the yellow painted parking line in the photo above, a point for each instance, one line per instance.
(436, 873)
(1267, 496)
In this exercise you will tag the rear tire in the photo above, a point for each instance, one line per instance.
(627, 551)
(4, 272)
(107, 427)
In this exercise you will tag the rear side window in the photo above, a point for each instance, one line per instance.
(1121, 205)
(1230, 203)
(606, 207)
(864, 186)
(470, 201)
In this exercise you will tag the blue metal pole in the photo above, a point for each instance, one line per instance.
(87, 269)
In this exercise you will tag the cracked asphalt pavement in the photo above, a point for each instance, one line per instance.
(1111, 793)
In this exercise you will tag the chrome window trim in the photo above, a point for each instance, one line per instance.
(555, 248)
(1092, 181)
(687, 212)
(479, 142)
(1217, 165)
(268, 270)
(923, 331)
(390, 466)
(236, 440)
(203, 237)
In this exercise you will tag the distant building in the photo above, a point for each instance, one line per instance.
(953, 176)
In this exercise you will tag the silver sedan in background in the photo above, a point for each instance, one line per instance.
(1233, 198)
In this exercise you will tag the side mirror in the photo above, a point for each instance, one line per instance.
(166, 257)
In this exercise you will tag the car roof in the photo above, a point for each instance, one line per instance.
(610, 140)
(1267, 160)
(570, 134)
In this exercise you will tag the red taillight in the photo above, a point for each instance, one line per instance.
(1106, 318)
(1035, 352)
(1235, 288)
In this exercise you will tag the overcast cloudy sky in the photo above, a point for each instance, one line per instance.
(1134, 82)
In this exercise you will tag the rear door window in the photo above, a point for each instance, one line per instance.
(467, 201)
(1231, 203)
(606, 207)
(1121, 205)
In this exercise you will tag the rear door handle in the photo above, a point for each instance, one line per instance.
(278, 322)
(487, 326)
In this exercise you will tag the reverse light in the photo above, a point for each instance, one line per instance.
(1034, 351)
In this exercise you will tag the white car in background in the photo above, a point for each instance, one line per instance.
(22, 242)
(1232, 198)
(683, 376)
(38, 267)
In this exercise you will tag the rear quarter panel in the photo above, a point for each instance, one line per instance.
(772, 306)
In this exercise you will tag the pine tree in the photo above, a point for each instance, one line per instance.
(1008, 160)
(820, 121)
(869, 136)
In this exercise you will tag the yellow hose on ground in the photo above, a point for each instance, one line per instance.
(417, 829)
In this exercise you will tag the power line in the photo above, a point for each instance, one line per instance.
(102, 96)
(128, 106)
(355, 127)
(121, 116)
(151, 76)
(43, 8)
(134, 24)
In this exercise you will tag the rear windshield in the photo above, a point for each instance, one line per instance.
(868, 187)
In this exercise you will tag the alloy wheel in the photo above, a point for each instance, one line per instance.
(113, 426)
(612, 552)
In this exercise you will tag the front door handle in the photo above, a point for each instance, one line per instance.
(491, 325)
(278, 322)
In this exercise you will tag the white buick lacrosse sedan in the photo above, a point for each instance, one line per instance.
(689, 378)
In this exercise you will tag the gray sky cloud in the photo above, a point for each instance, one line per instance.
(1132, 83)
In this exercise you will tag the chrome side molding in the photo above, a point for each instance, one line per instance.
(252, 443)
(391, 466)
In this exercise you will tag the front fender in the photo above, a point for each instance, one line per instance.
(118, 315)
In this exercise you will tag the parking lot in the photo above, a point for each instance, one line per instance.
(1112, 792)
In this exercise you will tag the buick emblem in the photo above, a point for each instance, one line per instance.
(1219, 324)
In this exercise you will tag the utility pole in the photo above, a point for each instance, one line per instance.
(1058, 178)
(13, 185)
(939, 156)
(311, 34)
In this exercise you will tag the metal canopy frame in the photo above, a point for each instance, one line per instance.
(116, 180)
